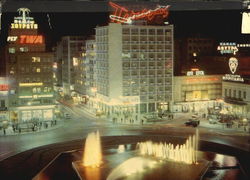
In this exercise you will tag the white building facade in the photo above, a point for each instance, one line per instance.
(134, 69)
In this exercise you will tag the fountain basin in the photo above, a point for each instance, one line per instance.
(162, 169)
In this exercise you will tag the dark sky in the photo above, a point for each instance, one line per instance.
(222, 25)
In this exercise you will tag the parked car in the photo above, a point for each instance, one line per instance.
(212, 121)
(192, 122)
(67, 116)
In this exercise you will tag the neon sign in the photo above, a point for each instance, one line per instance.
(23, 21)
(195, 72)
(4, 87)
(228, 48)
(31, 39)
(12, 38)
(123, 15)
(233, 64)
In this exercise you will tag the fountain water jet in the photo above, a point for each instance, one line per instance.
(186, 153)
(92, 151)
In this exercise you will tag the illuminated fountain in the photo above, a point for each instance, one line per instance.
(155, 160)
(92, 151)
(186, 153)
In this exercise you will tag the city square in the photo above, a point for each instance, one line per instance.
(170, 75)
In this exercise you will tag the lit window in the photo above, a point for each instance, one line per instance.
(12, 50)
(24, 49)
(38, 70)
(34, 90)
(36, 59)
(45, 89)
(38, 90)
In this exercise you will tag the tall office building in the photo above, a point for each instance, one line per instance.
(31, 94)
(134, 68)
(71, 47)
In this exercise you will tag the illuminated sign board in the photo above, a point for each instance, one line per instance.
(228, 48)
(12, 38)
(245, 26)
(195, 72)
(23, 21)
(123, 15)
(4, 87)
(30, 84)
(196, 80)
(31, 39)
(233, 64)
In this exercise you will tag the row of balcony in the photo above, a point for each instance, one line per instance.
(146, 42)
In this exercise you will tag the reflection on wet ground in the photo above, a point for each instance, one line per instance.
(222, 167)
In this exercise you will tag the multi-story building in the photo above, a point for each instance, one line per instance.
(197, 93)
(90, 64)
(134, 65)
(71, 47)
(192, 50)
(237, 97)
(31, 95)
(79, 93)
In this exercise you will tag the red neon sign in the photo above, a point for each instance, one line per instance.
(31, 39)
(4, 87)
(123, 15)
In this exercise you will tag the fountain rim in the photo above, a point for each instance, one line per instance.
(105, 146)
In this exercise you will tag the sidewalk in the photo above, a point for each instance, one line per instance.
(9, 131)
(205, 123)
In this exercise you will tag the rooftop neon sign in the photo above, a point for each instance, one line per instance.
(123, 15)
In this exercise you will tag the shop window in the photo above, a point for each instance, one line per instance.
(38, 90)
(34, 90)
(47, 114)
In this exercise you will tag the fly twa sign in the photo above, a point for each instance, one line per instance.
(31, 39)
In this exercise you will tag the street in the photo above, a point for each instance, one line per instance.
(83, 123)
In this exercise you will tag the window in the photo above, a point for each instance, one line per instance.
(229, 93)
(24, 49)
(38, 70)
(225, 93)
(239, 94)
(12, 50)
(244, 95)
(36, 59)
(234, 95)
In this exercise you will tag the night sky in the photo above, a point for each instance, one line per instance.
(221, 25)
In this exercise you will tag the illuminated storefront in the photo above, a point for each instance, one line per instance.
(196, 93)
(4, 100)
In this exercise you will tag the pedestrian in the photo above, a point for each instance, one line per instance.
(4, 131)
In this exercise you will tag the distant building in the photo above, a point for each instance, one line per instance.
(71, 47)
(31, 95)
(192, 50)
(134, 69)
